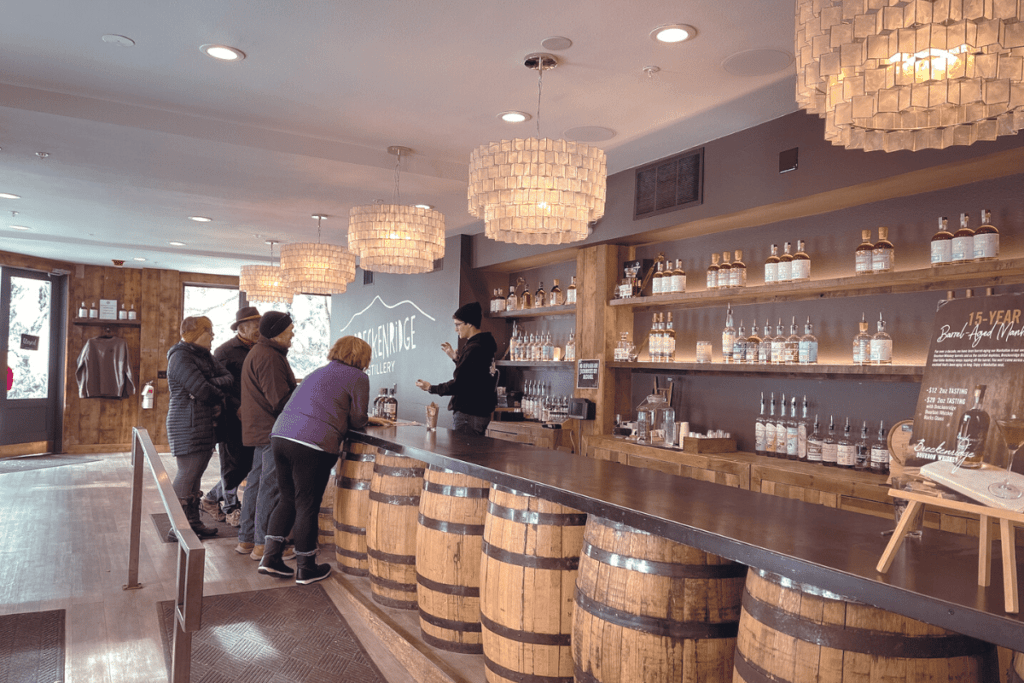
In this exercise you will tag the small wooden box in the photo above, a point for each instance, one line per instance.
(692, 445)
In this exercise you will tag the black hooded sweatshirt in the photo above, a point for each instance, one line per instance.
(473, 387)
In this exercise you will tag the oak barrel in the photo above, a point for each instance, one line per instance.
(653, 610)
(325, 519)
(448, 542)
(794, 632)
(352, 507)
(391, 529)
(528, 571)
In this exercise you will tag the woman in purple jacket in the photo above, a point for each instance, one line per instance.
(306, 440)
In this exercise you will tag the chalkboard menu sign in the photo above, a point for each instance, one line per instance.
(974, 376)
(587, 373)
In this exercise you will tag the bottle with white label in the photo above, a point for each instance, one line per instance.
(829, 447)
(712, 282)
(658, 280)
(814, 444)
(801, 267)
(93, 311)
(963, 241)
(781, 427)
(779, 345)
(864, 254)
(771, 266)
(879, 462)
(123, 313)
(769, 430)
(739, 347)
(738, 272)
(725, 271)
(728, 337)
(83, 312)
(942, 244)
(862, 343)
(759, 430)
(846, 450)
(803, 429)
(986, 239)
(881, 345)
(679, 278)
(131, 312)
(570, 293)
(785, 271)
(792, 432)
(808, 352)
(883, 255)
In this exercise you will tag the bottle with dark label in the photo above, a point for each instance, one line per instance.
(759, 426)
(829, 447)
(771, 266)
(555, 298)
(814, 444)
(986, 239)
(863, 447)
(880, 452)
(973, 431)
(391, 404)
(846, 450)
(942, 244)
(864, 254)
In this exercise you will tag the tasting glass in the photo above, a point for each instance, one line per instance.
(1012, 430)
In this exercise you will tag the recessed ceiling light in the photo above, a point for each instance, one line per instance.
(428, 207)
(8, 195)
(176, 244)
(19, 227)
(673, 33)
(200, 219)
(114, 39)
(138, 258)
(223, 52)
(514, 116)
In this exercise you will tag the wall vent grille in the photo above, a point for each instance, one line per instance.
(669, 184)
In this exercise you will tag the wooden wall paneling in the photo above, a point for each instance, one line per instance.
(8, 258)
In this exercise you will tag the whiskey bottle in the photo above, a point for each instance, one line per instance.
(540, 300)
(771, 266)
(973, 432)
(779, 345)
(802, 430)
(499, 302)
(963, 241)
(881, 345)
(814, 444)
(764, 348)
(829, 447)
(654, 339)
(512, 302)
(808, 345)
(986, 239)
(622, 349)
(862, 344)
(791, 349)
(93, 311)
(728, 337)
(759, 425)
(123, 313)
(942, 244)
(131, 312)
(864, 254)
(753, 345)
(83, 312)
(494, 297)
(526, 301)
(785, 271)
(669, 342)
(725, 271)
(801, 267)
(555, 298)
(377, 410)
(769, 430)
(883, 257)
(792, 432)
(657, 282)
(570, 346)
(712, 282)
(570, 293)
(739, 347)
(781, 425)
(863, 449)
(390, 405)
(738, 272)
(879, 461)
(846, 450)
(678, 278)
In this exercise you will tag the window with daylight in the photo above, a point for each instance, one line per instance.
(30, 317)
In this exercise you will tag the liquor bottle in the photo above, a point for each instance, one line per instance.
(814, 444)
(973, 431)
(792, 432)
(712, 282)
(942, 244)
(864, 254)
(541, 298)
(862, 344)
(738, 273)
(499, 303)
(93, 311)
(771, 266)
(739, 346)
(678, 278)
(863, 449)
(378, 410)
(512, 302)
(494, 295)
(728, 337)
(785, 271)
(986, 239)
(390, 404)
(123, 313)
(846, 450)
(764, 348)
(570, 293)
(83, 312)
(725, 271)
(829, 447)
(879, 460)
(779, 345)
(801, 266)
(759, 424)
(883, 256)
(781, 426)
(570, 346)
(555, 298)
(791, 349)
(881, 345)
(526, 301)
(657, 286)
(769, 430)
(548, 350)
(963, 241)
(513, 343)
(669, 341)
(802, 430)
(753, 345)
(622, 349)
(131, 312)
(654, 339)
(808, 352)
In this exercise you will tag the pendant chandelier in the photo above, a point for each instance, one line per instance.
(265, 284)
(908, 75)
(395, 238)
(537, 190)
(316, 268)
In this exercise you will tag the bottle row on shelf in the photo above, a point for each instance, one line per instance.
(93, 312)
(538, 404)
(527, 300)
(797, 438)
(540, 347)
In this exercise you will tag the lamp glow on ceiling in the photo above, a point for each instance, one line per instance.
(514, 116)
(19, 227)
(223, 53)
(200, 219)
(8, 195)
(673, 33)
(176, 244)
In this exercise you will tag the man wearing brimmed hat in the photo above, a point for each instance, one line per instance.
(235, 457)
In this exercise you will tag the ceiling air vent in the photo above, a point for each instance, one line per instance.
(669, 184)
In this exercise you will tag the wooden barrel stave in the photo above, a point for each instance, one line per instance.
(352, 508)
(325, 518)
(391, 529)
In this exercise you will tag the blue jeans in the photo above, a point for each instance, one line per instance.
(261, 497)
(470, 424)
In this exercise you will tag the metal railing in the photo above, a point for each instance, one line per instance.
(188, 603)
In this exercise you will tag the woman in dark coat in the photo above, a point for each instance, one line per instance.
(197, 385)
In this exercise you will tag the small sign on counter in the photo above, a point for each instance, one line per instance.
(588, 373)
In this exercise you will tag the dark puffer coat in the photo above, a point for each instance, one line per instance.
(197, 384)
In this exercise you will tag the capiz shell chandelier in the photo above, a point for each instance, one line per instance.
(316, 268)
(265, 284)
(922, 74)
(537, 190)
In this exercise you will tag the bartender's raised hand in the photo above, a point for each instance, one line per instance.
(447, 348)
(423, 384)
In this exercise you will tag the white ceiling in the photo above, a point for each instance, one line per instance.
(139, 138)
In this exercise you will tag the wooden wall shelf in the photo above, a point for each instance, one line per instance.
(564, 310)
(564, 365)
(885, 373)
(987, 274)
(96, 322)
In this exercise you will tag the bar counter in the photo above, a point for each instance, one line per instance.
(932, 579)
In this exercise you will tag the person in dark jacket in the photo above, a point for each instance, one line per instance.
(267, 384)
(198, 385)
(306, 441)
(473, 387)
(235, 457)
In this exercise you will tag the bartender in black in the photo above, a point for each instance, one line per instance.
(473, 386)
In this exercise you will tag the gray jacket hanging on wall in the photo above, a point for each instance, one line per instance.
(104, 369)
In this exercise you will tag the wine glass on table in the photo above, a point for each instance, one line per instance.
(1012, 429)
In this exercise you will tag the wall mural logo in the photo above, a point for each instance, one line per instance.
(388, 339)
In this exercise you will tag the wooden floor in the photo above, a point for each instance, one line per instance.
(64, 545)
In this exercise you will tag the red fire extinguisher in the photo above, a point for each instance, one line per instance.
(147, 396)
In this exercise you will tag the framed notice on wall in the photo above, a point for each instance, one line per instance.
(974, 376)
(587, 373)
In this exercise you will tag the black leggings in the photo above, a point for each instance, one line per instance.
(302, 474)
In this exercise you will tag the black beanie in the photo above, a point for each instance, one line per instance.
(273, 323)
(471, 313)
